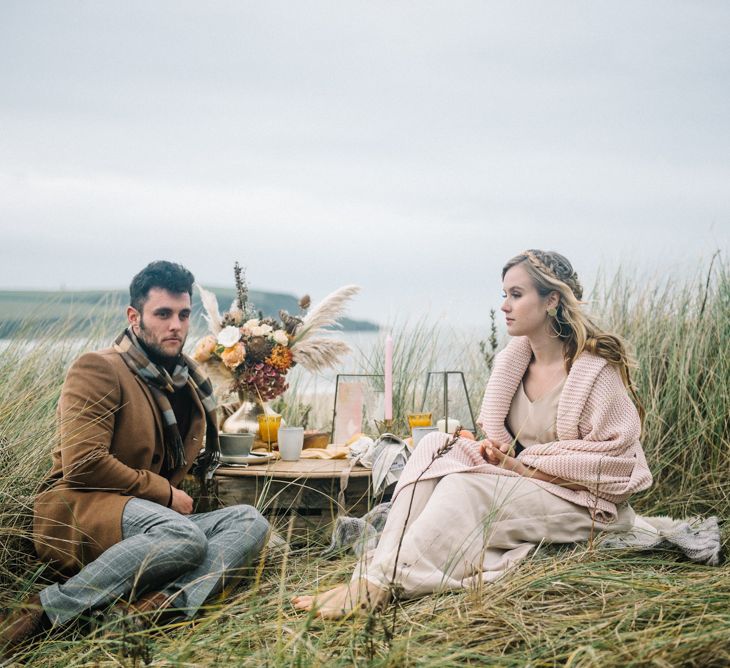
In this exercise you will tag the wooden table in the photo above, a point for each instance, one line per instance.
(306, 490)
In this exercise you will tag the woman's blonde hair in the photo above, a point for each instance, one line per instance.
(552, 272)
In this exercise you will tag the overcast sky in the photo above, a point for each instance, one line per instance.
(409, 147)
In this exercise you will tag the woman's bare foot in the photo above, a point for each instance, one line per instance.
(343, 600)
(331, 604)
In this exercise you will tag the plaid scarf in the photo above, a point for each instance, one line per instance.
(161, 383)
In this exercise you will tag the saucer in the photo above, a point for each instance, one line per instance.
(253, 458)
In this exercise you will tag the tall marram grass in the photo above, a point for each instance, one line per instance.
(32, 369)
(681, 338)
(575, 606)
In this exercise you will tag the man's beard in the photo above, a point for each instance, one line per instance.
(154, 351)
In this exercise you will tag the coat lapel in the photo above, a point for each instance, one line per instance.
(194, 440)
(155, 409)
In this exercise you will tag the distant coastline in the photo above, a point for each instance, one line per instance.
(25, 311)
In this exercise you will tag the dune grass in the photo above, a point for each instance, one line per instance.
(575, 606)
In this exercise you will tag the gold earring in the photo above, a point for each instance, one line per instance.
(552, 312)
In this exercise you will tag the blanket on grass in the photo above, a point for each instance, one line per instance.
(695, 538)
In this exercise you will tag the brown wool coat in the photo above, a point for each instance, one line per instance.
(110, 449)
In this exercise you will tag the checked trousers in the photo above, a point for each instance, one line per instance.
(190, 558)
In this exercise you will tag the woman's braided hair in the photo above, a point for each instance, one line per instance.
(552, 272)
(557, 266)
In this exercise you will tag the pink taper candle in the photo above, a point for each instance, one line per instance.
(389, 377)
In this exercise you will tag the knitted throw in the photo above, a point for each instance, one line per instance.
(698, 539)
(162, 383)
(598, 431)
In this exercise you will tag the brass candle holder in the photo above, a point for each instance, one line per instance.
(384, 426)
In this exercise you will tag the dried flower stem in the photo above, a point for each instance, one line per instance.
(489, 348)
(241, 287)
(395, 591)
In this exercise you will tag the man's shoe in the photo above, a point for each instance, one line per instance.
(154, 604)
(151, 608)
(22, 625)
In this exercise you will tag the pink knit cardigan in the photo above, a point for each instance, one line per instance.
(598, 431)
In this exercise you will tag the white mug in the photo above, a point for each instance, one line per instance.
(420, 432)
(291, 442)
(452, 426)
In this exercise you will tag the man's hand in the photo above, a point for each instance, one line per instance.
(181, 502)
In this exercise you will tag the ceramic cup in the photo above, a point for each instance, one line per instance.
(291, 441)
(236, 445)
(420, 432)
(452, 426)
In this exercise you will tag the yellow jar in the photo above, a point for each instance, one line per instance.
(269, 428)
(419, 420)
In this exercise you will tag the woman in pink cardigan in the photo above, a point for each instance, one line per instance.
(561, 457)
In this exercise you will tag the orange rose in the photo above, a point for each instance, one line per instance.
(204, 350)
(234, 355)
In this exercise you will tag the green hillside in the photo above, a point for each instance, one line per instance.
(24, 311)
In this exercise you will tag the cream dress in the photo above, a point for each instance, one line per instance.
(467, 528)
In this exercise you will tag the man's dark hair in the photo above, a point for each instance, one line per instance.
(169, 276)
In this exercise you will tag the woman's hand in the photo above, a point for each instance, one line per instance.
(494, 452)
(501, 454)
(506, 460)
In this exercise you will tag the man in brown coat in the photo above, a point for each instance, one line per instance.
(133, 419)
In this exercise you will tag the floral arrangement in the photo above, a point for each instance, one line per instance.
(258, 352)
